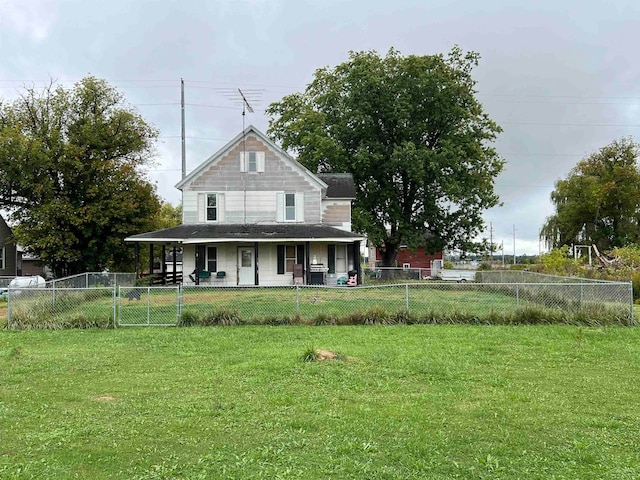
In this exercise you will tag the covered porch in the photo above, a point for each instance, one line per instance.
(267, 255)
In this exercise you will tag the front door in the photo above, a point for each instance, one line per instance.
(246, 266)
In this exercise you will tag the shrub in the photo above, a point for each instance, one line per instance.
(188, 318)
(223, 317)
(310, 354)
(324, 318)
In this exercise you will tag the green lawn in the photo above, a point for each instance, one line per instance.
(435, 402)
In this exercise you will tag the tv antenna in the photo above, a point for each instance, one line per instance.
(245, 106)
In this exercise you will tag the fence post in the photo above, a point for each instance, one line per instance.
(9, 307)
(115, 323)
(517, 296)
(148, 306)
(631, 310)
(406, 296)
(297, 299)
(86, 280)
(179, 309)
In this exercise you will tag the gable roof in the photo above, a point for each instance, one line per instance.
(339, 185)
(231, 144)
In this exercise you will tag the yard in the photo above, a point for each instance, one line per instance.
(420, 401)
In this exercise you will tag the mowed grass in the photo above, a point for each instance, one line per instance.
(435, 402)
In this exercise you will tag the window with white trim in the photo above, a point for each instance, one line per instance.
(1, 258)
(288, 256)
(336, 258)
(212, 207)
(252, 162)
(290, 207)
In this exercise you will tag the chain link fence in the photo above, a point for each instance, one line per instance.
(94, 279)
(428, 302)
(57, 308)
(524, 276)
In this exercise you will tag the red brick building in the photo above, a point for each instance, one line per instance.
(410, 259)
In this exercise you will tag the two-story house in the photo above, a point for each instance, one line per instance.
(10, 253)
(252, 215)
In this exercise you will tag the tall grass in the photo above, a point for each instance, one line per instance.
(474, 304)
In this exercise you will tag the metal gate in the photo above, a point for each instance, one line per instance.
(148, 306)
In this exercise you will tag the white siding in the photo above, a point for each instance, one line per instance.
(189, 207)
(300, 207)
(280, 206)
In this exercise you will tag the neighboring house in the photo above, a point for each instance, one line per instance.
(32, 266)
(10, 253)
(406, 258)
(252, 215)
(414, 258)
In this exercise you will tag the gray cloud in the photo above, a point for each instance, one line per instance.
(559, 77)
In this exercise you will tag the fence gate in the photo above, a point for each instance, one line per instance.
(140, 306)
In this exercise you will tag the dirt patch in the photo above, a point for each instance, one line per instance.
(105, 398)
(326, 355)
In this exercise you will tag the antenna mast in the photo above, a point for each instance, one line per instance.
(245, 105)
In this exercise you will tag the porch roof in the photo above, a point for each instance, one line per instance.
(221, 233)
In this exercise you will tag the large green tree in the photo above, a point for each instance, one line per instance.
(599, 201)
(72, 178)
(414, 136)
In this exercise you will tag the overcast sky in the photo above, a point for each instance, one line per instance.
(562, 78)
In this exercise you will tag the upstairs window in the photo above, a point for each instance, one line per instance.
(290, 207)
(1, 258)
(212, 207)
(252, 165)
(252, 162)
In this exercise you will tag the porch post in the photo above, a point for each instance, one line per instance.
(136, 256)
(201, 256)
(151, 260)
(356, 260)
(256, 269)
(175, 275)
(163, 265)
(307, 261)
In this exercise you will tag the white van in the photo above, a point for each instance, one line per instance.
(35, 281)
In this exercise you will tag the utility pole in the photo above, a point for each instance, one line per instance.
(514, 243)
(491, 241)
(184, 148)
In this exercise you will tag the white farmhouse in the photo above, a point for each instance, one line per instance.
(252, 215)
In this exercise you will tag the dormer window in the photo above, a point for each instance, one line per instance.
(252, 162)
